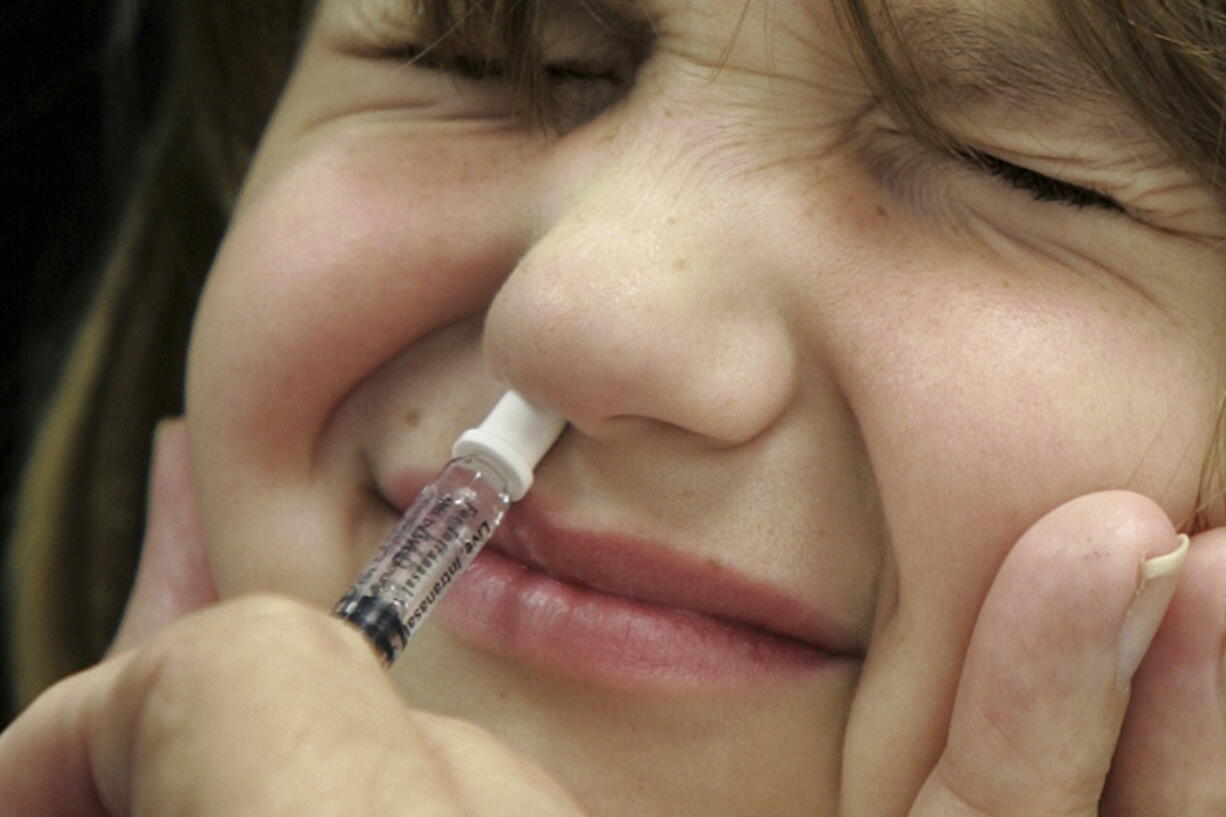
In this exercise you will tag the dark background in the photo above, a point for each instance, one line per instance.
(55, 206)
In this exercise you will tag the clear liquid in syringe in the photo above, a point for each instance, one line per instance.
(447, 525)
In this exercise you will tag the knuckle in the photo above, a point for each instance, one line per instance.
(962, 786)
(248, 646)
(443, 729)
(944, 794)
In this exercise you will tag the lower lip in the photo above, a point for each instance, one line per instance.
(511, 610)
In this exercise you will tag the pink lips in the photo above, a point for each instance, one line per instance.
(629, 614)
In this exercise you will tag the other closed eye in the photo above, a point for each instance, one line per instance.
(575, 90)
(480, 68)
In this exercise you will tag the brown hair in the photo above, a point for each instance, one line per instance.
(80, 508)
(81, 504)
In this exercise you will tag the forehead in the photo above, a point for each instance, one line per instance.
(955, 49)
(1008, 44)
(1014, 44)
(943, 53)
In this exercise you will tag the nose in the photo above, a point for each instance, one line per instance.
(644, 300)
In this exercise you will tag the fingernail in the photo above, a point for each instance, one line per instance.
(1159, 575)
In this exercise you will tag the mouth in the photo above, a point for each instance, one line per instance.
(631, 614)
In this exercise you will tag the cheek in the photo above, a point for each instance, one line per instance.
(337, 261)
(984, 409)
(342, 258)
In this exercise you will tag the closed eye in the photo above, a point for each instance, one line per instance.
(1040, 187)
(480, 68)
(574, 92)
(462, 65)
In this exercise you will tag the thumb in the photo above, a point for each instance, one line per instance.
(259, 706)
(1045, 683)
(173, 577)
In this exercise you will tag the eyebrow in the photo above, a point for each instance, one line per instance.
(1023, 59)
(954, 58)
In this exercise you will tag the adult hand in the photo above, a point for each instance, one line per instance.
(256, 706)
(1064, 706)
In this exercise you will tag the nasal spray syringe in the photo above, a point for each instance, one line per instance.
(448, 523)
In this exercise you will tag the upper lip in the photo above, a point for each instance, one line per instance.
(644, 570)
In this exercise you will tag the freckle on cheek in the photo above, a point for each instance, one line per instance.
(412, 418)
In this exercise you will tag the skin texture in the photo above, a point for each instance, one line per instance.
(790, 341)
(262, 705)
(854, 377)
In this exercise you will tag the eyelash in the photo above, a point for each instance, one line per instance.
(1040, 187)
(478, 69)
(577, 91)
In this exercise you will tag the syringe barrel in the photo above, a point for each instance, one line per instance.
(446, 526)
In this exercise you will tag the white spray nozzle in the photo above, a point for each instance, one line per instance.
(516, 434)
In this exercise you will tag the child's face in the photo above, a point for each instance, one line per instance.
(819, 377)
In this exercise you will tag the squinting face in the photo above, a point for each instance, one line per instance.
(819, 377)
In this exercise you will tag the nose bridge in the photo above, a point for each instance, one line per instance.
(637, 300)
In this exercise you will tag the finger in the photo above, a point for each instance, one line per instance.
(257, 706)
(45, 762)
(1044, 684)
(1171, 760)
(173, 577)
(464, 748)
